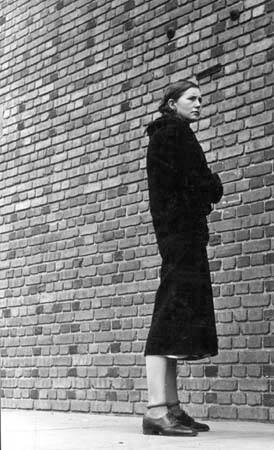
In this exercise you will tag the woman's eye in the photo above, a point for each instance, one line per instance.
(194, 98)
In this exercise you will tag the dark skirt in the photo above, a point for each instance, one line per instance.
(183, 320)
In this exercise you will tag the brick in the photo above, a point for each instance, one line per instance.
(81, 406)
(252, 413)
(254, 357)
(222, 412)
(197, 371)
(219, 27)
(217, 51)
(249, 301)
(254, 371)
(224, 398)
(255, 328)
(259, 46)
(211, 397)
(34, 394)
(24, 404)
(103, 360)
(268, 371)
(60, 405)
(227, 329)
(253, 385)
(269, 7)
(268, 400)
(43, 405)
(197, 384)
(224, 385)
(254, 399)
(254, 342)
(122, 407)
(130, 4)
(59, 5)
(124, 360)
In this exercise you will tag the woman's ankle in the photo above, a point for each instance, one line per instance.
(156, 412)
(174, 406)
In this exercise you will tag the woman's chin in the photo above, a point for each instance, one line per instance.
(190, 118)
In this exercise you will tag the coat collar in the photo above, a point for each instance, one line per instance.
(167, 121)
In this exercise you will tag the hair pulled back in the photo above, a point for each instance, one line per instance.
(174, 90)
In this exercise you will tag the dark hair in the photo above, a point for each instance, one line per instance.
(174, 91)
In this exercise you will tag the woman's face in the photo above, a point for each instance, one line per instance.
(188, 105)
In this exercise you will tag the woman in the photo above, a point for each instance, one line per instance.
(181, 191)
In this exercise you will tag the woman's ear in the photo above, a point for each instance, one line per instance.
(171, 103)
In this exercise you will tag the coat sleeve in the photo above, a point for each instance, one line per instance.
(215, 187)
(210, 186)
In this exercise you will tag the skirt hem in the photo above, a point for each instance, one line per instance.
(187, 357)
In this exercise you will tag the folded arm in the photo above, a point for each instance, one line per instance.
(209, 185)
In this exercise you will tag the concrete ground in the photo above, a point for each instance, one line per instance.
(39, 430)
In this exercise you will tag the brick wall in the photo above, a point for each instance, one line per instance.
(80, 266)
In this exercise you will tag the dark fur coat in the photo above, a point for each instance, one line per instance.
(181, 191)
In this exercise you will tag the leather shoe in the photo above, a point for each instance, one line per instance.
(167, 425)
(188, 421)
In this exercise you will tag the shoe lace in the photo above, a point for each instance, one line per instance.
(173, 419)
(186, 417)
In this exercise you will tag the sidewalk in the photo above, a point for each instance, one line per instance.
(39, 430)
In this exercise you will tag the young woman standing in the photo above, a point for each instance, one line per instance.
(181, 191)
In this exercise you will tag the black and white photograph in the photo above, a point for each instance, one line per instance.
(136, 225)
